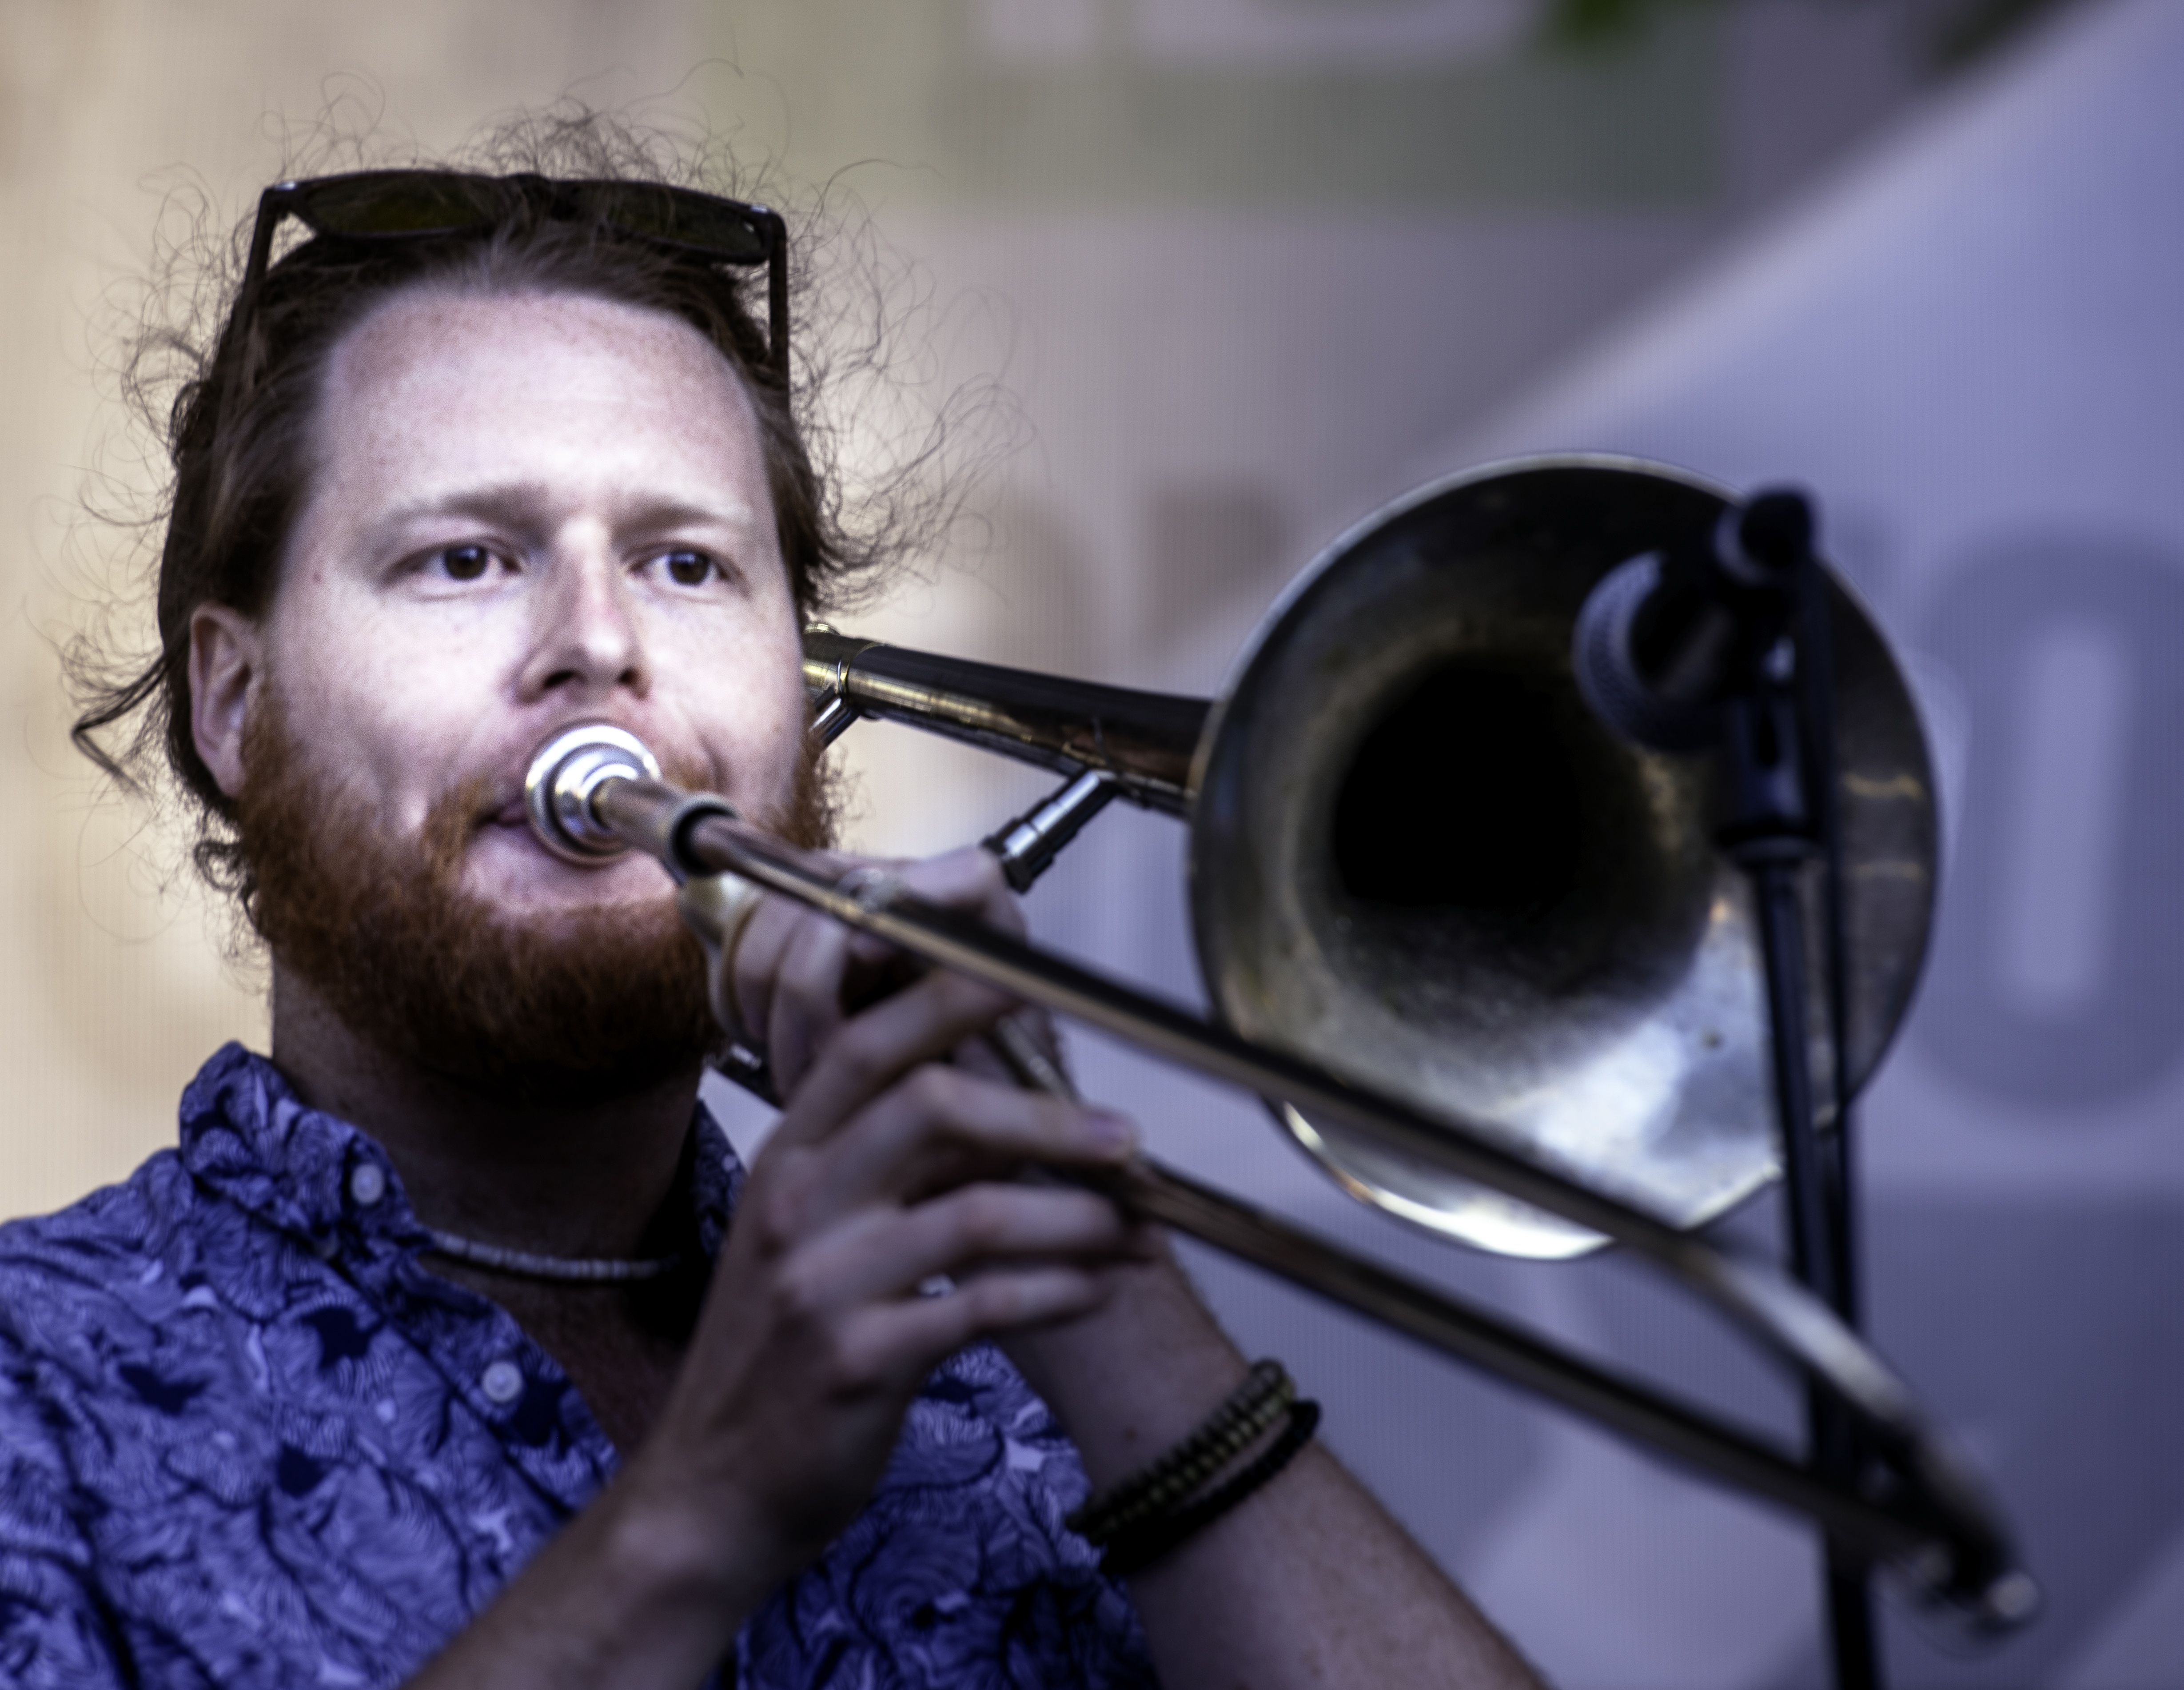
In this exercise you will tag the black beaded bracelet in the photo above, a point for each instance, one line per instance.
(1146, 1541)
(1247, 1412)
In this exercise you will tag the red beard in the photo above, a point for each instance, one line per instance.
(585, 1005)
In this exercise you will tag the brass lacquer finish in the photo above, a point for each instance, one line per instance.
(1418, 859)
(1145, 740)
(1488, 956)
(1931, 1519)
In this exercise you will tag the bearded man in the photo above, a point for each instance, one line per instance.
(452, 1346)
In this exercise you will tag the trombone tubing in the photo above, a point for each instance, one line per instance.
(1942, 1528)
(1145, 741)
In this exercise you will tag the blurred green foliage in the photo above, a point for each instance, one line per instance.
(1952, 34)
(961, 115)
(1606, 23)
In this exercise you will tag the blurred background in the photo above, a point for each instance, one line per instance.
(1250, 268)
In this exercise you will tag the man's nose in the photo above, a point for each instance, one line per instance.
(587, 640)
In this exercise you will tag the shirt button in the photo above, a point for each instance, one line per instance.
(502, 1382)
(367, 1184)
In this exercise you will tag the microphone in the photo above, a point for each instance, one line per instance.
(1664, 639)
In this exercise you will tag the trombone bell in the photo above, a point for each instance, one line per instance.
(1418, 859)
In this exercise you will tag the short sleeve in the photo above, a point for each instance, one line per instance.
(54, 1634)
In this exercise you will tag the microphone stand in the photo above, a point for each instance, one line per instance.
(1779, 766)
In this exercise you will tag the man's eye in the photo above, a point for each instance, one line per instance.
(465, 563)
(689, 568)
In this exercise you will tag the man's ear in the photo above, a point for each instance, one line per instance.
(226, 668)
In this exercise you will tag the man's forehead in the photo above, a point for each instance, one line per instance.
(412, 334)
(451, 396)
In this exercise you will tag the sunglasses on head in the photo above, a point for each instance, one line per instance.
(397, 205)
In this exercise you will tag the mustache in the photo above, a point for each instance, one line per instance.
(594, 1002)
(807, 819)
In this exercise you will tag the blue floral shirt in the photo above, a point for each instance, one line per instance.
(247, 1439)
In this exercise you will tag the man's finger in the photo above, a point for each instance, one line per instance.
(806, 1005)
(874, 1049)
(942, 1126)
(981, 1228)
(897, 1344)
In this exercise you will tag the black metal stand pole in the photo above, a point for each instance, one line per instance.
(1850, 1593)
(1768, 832)
(1818, 1217)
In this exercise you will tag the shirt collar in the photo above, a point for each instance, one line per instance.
(247, 1136)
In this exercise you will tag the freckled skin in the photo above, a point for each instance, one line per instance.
(526, 511)
(532, 510)
(523, 511)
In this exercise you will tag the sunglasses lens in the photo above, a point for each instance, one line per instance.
(689, 220)
(395, 202)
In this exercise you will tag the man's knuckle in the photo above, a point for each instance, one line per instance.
(778, 1215)
(967, 1002)
(935, 1092)
(988, 884)
(801, 1299)
(849, 1365)
(984, 1218)
(997, 1302)
(856, 1051)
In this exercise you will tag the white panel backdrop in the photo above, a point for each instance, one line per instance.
(1970, 348)
(1247, 261)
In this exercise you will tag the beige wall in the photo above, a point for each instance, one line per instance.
(1243, 262)
(1238, 258)
(114, 112)
(111, 988)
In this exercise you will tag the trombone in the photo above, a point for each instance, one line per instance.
(1411, 992)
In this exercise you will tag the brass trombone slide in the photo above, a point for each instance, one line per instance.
(1482, 957)
(593, 797)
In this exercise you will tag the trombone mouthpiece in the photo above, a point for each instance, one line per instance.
(565, 772)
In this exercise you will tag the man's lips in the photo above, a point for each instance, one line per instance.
(503, 805)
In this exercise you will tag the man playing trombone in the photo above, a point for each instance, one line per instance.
(452, 1347)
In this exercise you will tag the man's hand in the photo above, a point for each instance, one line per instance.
(891, 1168)
(799, 974)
